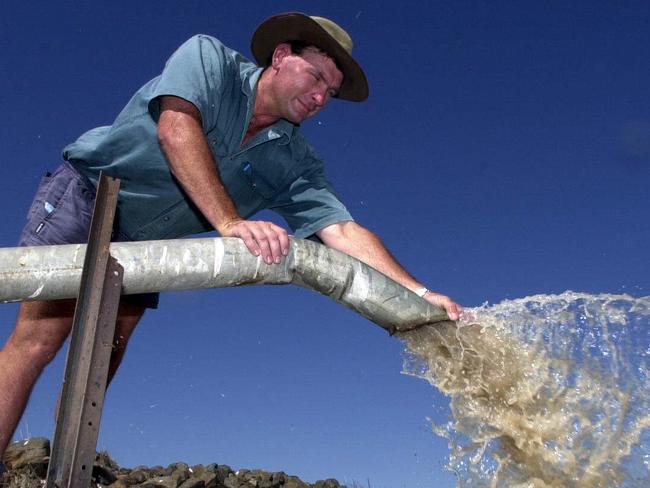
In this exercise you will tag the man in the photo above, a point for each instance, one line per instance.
(205, 145)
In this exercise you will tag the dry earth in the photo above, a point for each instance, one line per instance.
(27, 461)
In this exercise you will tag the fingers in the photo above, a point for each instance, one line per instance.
(268, 243)
(452, 308)
(263, 239)
(284, 242)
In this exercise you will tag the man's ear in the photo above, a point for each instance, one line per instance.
(281, 51)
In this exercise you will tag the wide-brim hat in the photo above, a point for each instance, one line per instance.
(322, 33)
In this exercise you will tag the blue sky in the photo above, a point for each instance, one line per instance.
(504, 151)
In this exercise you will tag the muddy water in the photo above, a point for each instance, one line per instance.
(545, 391)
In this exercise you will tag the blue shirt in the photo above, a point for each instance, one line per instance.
(277, 169)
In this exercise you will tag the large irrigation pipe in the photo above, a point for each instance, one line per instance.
(54, 272)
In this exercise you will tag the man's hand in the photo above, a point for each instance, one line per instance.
(260, 237)
(355, 240)
(444, 302)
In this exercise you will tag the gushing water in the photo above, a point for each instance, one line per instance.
(546, 391)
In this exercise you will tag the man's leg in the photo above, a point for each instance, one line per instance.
(128, 316)
(60, 214)
(41, 328)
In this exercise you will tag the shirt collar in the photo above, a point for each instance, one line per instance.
(249, 87)
(284, 128)
(249, 81)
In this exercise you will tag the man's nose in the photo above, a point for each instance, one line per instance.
(320, 97)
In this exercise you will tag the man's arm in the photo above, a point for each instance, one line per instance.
(181, 138)
(357, 241)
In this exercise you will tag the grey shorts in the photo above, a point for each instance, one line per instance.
(60, 214)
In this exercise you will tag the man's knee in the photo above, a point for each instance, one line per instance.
(41, 329)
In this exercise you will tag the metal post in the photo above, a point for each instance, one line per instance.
(86, 372)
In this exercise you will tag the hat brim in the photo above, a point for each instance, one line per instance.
(296, 26)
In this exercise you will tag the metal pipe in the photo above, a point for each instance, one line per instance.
(54, 272)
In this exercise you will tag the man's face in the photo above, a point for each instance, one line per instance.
(304, 82)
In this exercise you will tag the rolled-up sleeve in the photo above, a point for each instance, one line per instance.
(195, 72)
(309, 203)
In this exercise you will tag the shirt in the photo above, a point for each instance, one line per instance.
(277, 169)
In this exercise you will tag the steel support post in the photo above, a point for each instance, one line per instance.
(86, 371)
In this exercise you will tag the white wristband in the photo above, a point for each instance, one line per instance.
(421, 291)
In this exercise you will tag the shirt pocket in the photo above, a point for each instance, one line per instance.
(262, 179)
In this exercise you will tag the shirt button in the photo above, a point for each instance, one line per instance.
(166, 218)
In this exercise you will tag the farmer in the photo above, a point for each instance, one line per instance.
(207, 144)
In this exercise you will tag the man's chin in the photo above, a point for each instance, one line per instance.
(295, 119)
(301, 115)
